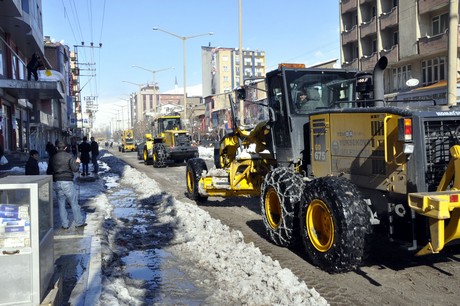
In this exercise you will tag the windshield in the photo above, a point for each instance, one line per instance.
(171, 124)
(316, 89)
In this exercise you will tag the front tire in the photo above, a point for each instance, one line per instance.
(145, 157)
(334, 224)
(159, 155)
(280, 201)
(195, 167)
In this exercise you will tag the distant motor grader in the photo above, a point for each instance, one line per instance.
(333, 169)
(167, 142)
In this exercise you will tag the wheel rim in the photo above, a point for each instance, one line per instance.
(273, 208)
(320, 225)
(145, 155)
(190, 182)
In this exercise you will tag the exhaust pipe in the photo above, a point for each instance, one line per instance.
(378, 80)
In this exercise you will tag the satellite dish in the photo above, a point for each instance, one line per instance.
(412, 82)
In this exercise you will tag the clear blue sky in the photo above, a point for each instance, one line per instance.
(302, 31)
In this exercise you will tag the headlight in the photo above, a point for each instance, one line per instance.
(408, 148)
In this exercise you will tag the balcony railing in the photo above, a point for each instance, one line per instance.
(348, 6)
(368, 61)
(426, 6)
(391, 54)
(389, 19)
(350, 35)
(353, 64)
(368, 28)
(434, 44)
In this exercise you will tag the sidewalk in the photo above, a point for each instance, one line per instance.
(77, 253)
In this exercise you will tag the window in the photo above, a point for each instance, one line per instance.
(433, 70)
(400, 76)
(374, 46)
(225, 68)
(440, 23)
(395, 38)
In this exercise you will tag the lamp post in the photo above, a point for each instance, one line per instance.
(184, 39)
(129, 109)
(154, 86)
(122, 116)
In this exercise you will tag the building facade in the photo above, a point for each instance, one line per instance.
(221, 68)
(30, 110)
(412, 34)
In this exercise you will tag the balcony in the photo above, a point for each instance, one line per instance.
(348, 6)
(391, 54)
(368, 62)
(389, 20)
(430, 45)
(350, 35)
(353, 64)
(426, 6)
(368, 28)
(365, 1)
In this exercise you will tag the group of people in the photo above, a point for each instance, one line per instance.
(86, 151)
(63, 163)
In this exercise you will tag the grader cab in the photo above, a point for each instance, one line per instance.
(340, 165)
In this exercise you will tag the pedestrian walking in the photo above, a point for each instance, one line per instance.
(32, 167)
(32, 67)
(73, 146)
(50, 149)
(62, 166)
(84, 148)
(94, 154)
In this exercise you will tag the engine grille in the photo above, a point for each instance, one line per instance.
(439, 137)
(182, 140)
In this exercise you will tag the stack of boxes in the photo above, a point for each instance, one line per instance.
(14, 226)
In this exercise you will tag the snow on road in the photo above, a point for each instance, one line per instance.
(241, 273)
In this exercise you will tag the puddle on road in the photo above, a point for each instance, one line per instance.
(162, 273)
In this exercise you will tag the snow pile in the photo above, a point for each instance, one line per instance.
(206, 153)
(240, 272)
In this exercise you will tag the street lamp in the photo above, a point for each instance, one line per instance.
(122, 115)
(184, 38)
(154, 86)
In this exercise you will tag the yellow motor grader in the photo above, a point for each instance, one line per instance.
(341, 165)
(169, 141)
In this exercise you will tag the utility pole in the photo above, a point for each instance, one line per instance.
(452, 54)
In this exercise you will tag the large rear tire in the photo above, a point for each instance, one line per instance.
(335, 225)
(195, 167)
(281, 197)
(159, 155)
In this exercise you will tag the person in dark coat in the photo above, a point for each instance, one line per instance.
(84, 148)
(50, 149)
(94, 154)
(32, 164)
(33, 66)
(62, 166)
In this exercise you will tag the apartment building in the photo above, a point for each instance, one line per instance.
(31, 112)
(221, 68)
(412, 34)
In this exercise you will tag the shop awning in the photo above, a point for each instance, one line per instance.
(32, 90)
